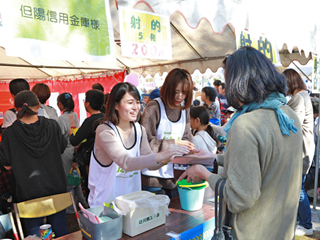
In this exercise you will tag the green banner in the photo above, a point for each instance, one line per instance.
(82, 26)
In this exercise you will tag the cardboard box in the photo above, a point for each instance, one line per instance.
(109, 230)
(144, 211)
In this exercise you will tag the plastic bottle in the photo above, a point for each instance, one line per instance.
(75, 173)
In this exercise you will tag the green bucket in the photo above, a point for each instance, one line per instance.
(191, 194)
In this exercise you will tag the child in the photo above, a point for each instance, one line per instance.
(67, 120)
(204, 136)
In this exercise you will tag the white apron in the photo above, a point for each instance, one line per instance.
(108, 182)
(167, 130)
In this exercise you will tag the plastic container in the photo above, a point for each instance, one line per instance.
(109, 230)
(142, 211)
(74, 179)
(191, 195)
(215, 121)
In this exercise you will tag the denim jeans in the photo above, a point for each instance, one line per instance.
(58, 223)
(304, 211)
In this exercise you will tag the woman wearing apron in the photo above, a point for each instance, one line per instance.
(167, 121)
(121, 149)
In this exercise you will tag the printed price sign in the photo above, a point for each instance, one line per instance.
(316, 75)
(144, 34)
(263, 44)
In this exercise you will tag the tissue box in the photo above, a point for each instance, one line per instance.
(109, 230)
(142, 211)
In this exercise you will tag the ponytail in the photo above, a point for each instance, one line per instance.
(66, 100)
(23, 101)
(202, 113)
(212, 134)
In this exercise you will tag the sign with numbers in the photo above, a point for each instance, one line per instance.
(316, 75)
(59, 29)
(144, 34)
(261, 43)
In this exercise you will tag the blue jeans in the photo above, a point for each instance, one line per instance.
(304, 211)
(58, 223)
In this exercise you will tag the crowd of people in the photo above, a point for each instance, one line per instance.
(263, 141)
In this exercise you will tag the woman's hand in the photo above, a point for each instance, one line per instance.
(167, 154)
(195, 173)
(185, 143)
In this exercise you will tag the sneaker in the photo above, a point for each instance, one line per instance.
(301, 231)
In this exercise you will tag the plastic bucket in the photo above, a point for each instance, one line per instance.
(191, 195)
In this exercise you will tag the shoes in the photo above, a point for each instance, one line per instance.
(301, 231)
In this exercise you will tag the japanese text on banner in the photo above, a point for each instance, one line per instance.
(61, 29)
(316, 75)
(144, 34)
(262, 44)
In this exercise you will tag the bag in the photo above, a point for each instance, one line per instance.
(82, 155)
(221, 232)
(309, 182)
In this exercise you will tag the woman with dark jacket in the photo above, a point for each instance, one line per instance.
(32, 148)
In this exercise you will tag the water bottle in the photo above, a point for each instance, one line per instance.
(75, 173)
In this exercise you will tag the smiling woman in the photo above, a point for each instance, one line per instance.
(121, 149)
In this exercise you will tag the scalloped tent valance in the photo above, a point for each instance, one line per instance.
(202, 33)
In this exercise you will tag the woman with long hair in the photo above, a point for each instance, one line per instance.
(167, 121)
(121, 149)
(300, 103)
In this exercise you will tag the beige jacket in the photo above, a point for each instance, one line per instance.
(263, 171)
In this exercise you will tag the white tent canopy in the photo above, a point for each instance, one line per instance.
(202, 33)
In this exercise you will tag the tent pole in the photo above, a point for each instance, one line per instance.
(301, 71)
(317, 167)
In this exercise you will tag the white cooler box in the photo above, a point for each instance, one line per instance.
(142, 211)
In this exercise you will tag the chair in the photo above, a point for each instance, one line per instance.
(7, 223)
(44, 206)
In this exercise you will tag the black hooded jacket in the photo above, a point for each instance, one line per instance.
(34, 153)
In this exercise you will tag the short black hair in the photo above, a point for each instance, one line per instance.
(217, 82)
(95, 98)
(223, 85)
(17, 85)
(98, 86)
(210, 92)
(250, 77)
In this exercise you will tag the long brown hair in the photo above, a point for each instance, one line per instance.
(294, 81)
(168, 88)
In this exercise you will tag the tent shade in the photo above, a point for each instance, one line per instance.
(202, 33)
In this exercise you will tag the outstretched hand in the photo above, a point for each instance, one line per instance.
(185, 143)
(167, 155)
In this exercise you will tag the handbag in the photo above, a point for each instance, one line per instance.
(82, 155)
(221, 232)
